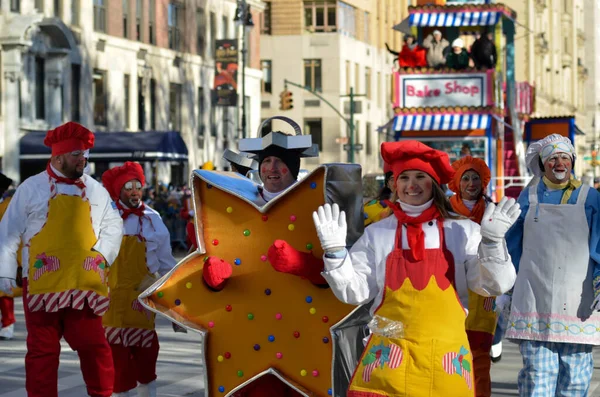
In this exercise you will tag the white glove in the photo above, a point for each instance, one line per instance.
(7, 285)
(498, 219)
(331, 227)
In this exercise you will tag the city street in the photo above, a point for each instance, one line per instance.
(180, 368)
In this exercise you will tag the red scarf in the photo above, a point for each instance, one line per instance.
(475, 214)
(139, 211)
(68, 181)
(414, 231)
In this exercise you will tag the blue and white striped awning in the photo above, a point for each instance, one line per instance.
(463, 18)
(442, 122)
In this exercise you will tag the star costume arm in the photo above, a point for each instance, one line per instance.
(12, 228)
(111, 228)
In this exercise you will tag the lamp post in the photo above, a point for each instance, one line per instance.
(243, 18)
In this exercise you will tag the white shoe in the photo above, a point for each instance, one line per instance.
(147, 390)
(496, 352)
(7, 333)
(124, 394)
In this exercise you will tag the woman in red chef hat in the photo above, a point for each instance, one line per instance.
(417, 266)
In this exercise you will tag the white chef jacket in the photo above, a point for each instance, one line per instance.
(359, 276)
(159, 257)
(27, 213)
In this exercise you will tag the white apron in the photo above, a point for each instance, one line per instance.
(553, 292)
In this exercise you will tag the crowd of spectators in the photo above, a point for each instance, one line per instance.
(437, 52)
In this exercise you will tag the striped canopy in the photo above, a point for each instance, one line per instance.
(462, 18)
(442, 122)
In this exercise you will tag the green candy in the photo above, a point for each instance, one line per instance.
(160, 294)
(38, 264)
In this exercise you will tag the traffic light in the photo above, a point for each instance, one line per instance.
(286, 102)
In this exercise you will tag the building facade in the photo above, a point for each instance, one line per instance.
(553, 53)
(331, 46)
(122, 65)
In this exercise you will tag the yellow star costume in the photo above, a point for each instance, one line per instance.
(263, 321)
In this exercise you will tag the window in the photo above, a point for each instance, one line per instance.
(175, 107)
(266, 79)
(126, 100)
(100, 15)
(369, 147)
(200, 31)
(125, 18)
(368, 82)
(356, 78)
(75, 87)
(75, 7)
(174, 19)
(314, 128)
(15, 6)
(265, 20)
(38, 5)
(141, 105)
(201, 111)
(312, 74)
(347, 19)
(153, 104)
(100, 97)
(213, 123)
(57, 8)
(348, 77)
(320, 15)
(213, 34)
(40, 79)
(378, 93)
(152, 22)
(367, 26)
(224, 27)
(138, 20)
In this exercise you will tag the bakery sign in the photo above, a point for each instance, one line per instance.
(443, 90)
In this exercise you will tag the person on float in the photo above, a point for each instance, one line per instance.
(7, 302)
(415, 266)
(145, 255)
(71, 232)
(555, 246)
(278, 169)
(469, 184)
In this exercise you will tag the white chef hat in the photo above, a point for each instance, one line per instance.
(544, 148)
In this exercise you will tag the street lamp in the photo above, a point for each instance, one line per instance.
(243, 17)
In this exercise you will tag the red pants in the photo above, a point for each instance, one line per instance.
(133, 365)
(481, 344)
(7, 310)
(83, 331)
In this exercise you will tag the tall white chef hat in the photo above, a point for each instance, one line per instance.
(544, 148)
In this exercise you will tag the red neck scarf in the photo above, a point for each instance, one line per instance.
(476, 214)
(139, 211)
(414, 231)
(68, 181)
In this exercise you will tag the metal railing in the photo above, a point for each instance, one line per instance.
(511, 181)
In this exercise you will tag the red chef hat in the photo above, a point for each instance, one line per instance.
(469, 163)
(414, 155)
(69, 137)
(386, 167)
(114, 179)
